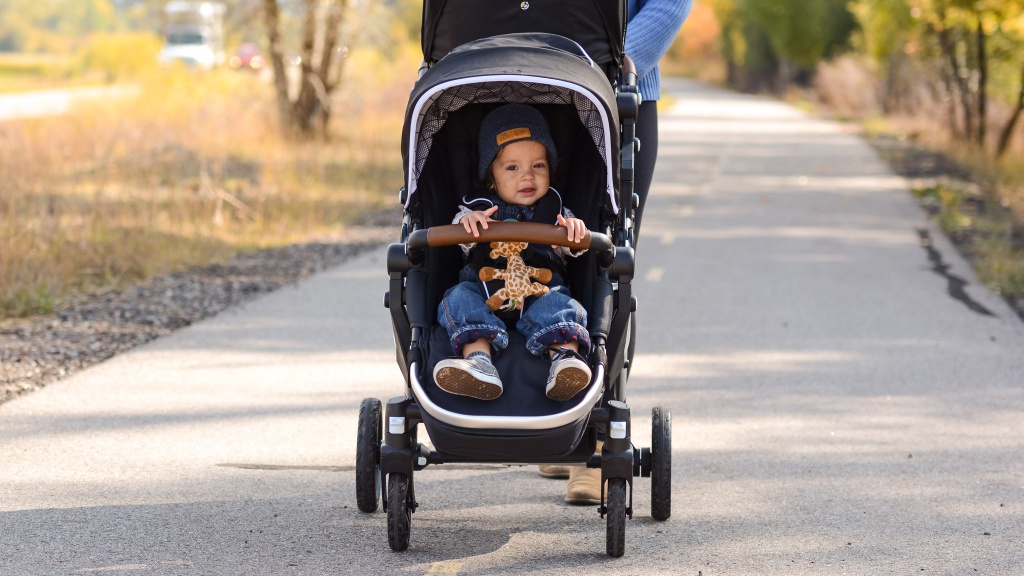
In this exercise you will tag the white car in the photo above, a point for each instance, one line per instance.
(191, 54)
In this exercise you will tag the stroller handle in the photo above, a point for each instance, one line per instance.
(531, 232)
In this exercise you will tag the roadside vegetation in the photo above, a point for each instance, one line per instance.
(184, 168)
(189, 167)
(20, 72)
(944, 76)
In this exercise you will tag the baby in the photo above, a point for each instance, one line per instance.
(517, 157)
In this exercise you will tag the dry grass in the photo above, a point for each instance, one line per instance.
(20, 72)
(188, 171)
(983, 230)
(1001, 181)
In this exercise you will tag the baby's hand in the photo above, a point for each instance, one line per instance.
(577, 229)
(477, 218)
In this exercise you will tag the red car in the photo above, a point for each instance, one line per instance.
(248, 56)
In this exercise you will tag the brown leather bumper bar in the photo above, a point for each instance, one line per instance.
(531, 232)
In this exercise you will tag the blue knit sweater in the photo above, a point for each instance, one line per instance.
(653, 25)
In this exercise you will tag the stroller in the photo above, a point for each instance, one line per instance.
(587, 92)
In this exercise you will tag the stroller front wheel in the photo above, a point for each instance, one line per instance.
(615, 541)
(399, 513)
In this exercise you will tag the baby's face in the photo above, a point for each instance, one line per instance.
(521, 173)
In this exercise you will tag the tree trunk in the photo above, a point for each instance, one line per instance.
(786, 73)
(309, 113)
(951, 90)
(1004, 137)
(330, 70)
(982, 85)
(327, 65)
(272, 19)
(891, 89)
(956, 74)
(305, 104)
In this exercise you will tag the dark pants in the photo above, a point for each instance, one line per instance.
(643, 165)
(647, 132)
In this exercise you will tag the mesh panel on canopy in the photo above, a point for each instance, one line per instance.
(435, 111)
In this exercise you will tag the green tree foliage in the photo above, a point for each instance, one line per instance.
(963, 52)
(771, 43)
(802, 31)
(886, 26)
(967, 51)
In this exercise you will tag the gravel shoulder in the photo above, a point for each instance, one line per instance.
(40, 350)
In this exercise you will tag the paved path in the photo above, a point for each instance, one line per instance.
(842, 403)
(38, 103)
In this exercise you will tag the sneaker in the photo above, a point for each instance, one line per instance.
(569, 374)
(475, 377)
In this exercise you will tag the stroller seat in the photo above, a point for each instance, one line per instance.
(522, 403)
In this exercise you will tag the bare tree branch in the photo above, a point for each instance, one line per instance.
(333, 32)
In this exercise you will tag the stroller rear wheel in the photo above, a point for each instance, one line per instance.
(615, 541)
(661, 463)
(399, 513)
(368, 455)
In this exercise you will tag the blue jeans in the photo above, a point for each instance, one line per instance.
(554, 318)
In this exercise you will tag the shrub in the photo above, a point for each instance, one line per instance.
(118, 56)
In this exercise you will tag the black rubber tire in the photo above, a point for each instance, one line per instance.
(368, 455)
(399, 513)
(661, 463)
(615, 544)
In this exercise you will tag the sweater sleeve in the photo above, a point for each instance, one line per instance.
(564, 251)
(651, 31)
(458, 218)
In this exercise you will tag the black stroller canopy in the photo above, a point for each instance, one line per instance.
(599, 26)
(532, 68)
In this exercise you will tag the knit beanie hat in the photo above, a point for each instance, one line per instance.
(512, 123)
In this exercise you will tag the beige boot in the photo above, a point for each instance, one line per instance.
(554, 471)
(584, 486)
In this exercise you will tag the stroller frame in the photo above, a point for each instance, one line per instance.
(388, 450)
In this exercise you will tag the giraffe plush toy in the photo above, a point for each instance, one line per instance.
(516, 276)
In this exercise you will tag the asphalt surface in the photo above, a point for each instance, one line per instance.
(846, 399)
